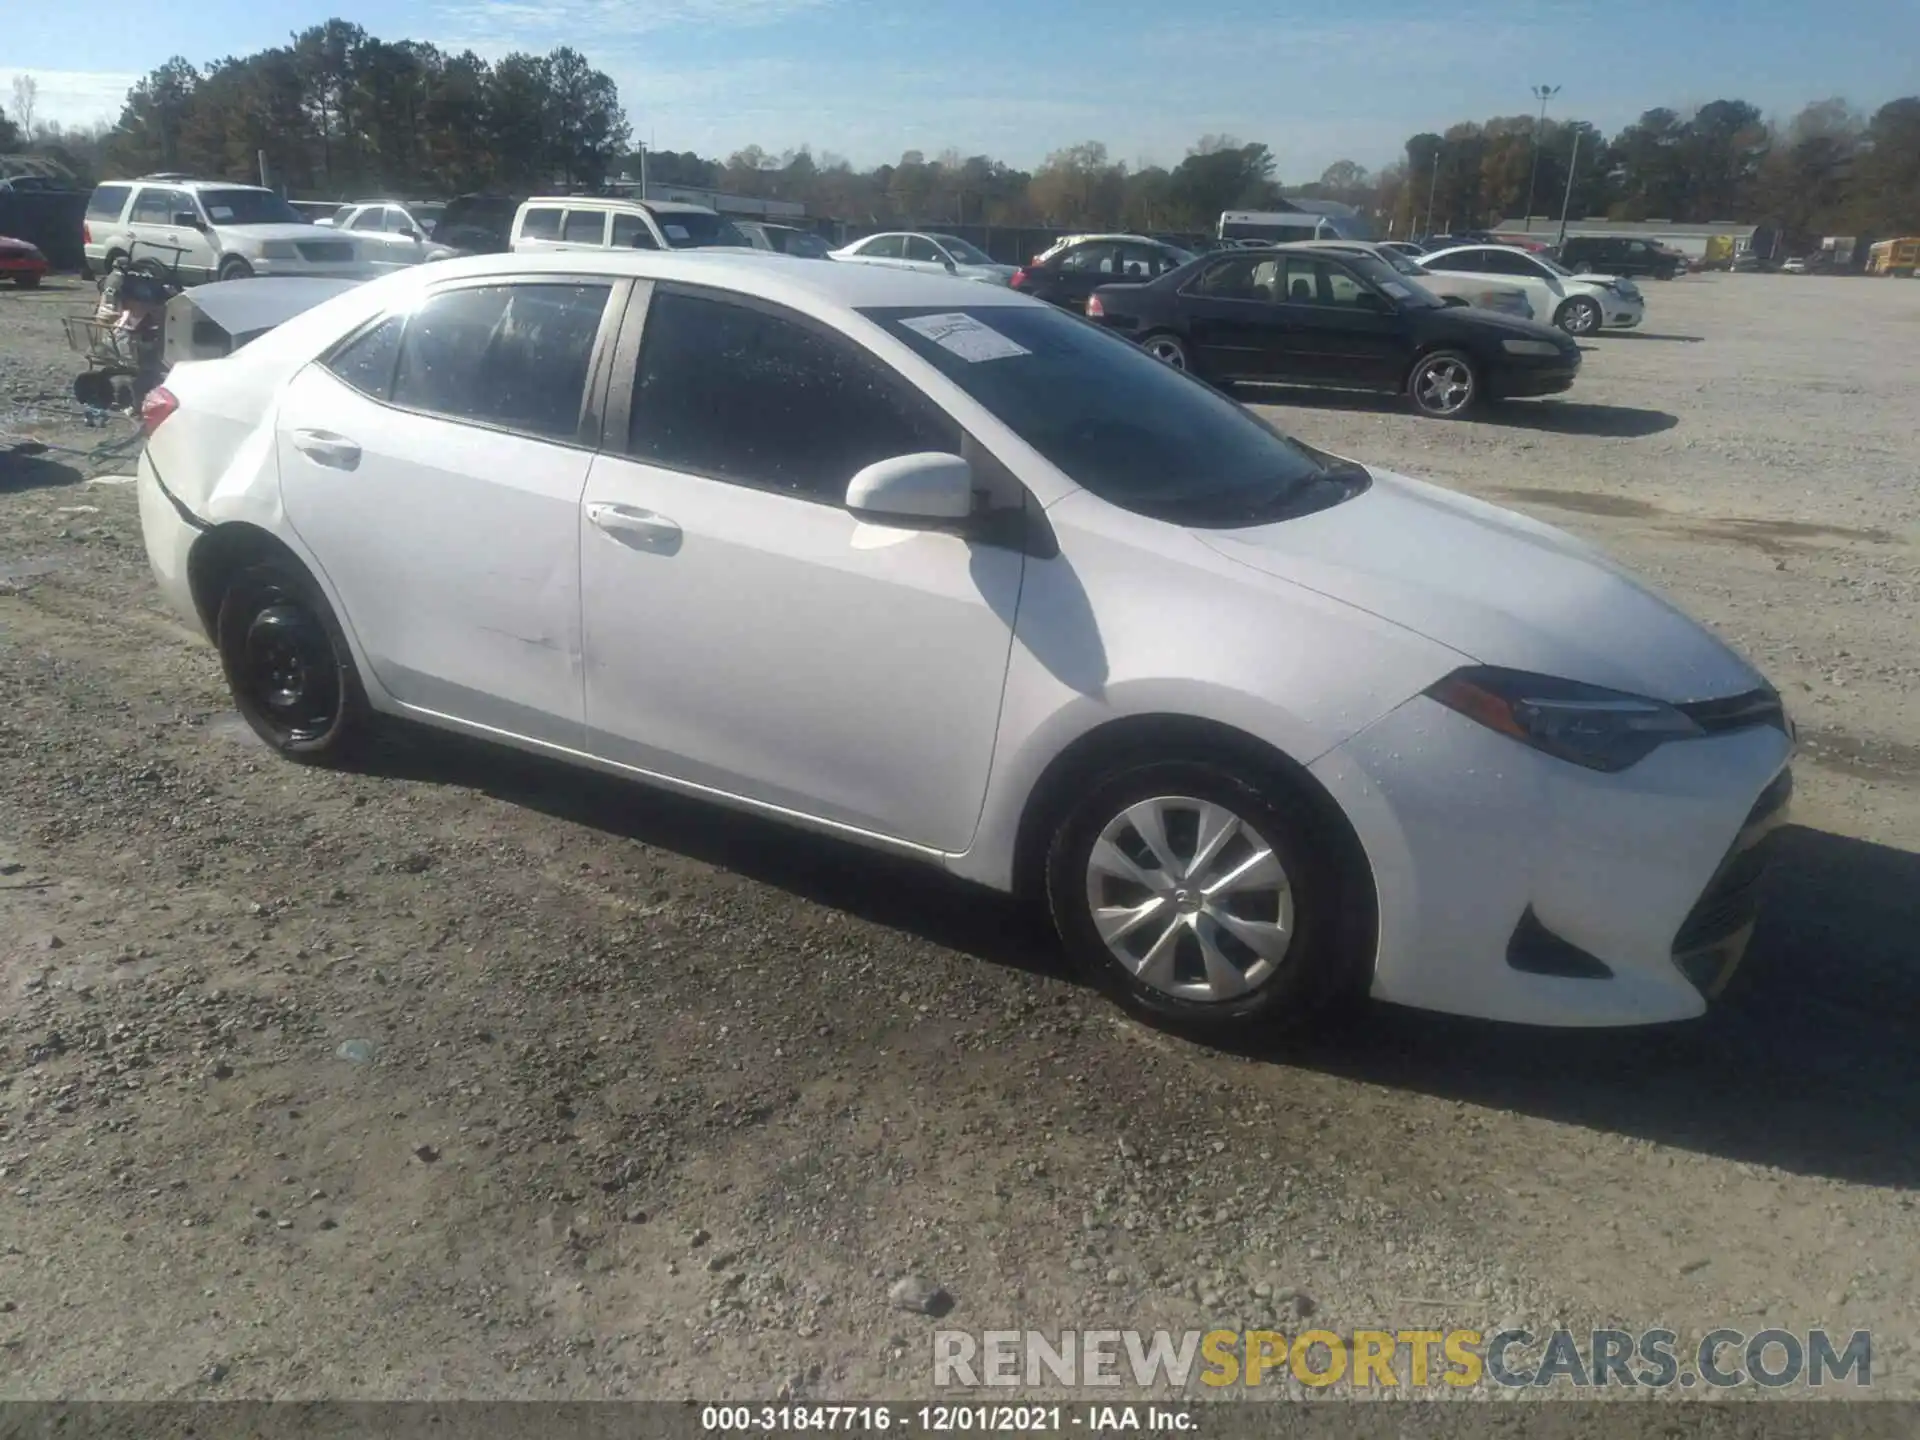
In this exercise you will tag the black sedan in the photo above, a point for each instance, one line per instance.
(1293, 317)
(1073, 268)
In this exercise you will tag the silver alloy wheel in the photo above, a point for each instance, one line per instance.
(1190, 898)
(1444, 385)
(1167, 351)
(1582, 318)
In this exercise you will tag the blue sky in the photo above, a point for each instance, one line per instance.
(1016, 78)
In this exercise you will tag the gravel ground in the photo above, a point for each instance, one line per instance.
(466, 1075)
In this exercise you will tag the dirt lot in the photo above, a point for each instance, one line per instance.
(463, 1075)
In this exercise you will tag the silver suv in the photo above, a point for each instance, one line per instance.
(211, 230)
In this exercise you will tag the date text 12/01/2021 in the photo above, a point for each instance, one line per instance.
(945, 1419)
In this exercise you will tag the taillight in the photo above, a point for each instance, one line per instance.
(159, 404)
(1020, 279)
(1094, 307)
(86, 233)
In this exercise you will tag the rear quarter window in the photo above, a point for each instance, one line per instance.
(107, 202)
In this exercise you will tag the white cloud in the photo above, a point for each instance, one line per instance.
(493, 27)
(72, 97)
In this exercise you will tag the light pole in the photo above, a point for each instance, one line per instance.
(1566, 202)
(1542, 93)
(1433, 187)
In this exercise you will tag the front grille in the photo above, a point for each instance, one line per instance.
(326, 252)
(1736, 712)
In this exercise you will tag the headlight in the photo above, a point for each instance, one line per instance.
(1582, 724)
(1529, 347)
(279, 250)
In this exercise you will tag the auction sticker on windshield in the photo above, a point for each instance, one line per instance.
(965, 337)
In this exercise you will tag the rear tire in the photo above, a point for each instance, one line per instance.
(234, 268)
(1169, 349)
(1202, 897)
(287, 662)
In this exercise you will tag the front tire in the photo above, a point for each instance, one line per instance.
(1444, 384)
(287, 663)
(1198, 898)
(1578, 316)
(235, 268)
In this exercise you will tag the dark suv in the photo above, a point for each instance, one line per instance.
(1619, 255)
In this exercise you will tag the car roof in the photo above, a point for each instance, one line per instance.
(768, 274)
(657, 207)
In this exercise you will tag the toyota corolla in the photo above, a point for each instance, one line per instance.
(949, 572)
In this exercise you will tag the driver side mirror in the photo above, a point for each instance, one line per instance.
(923, 491)
(413, 234)
(188, 219)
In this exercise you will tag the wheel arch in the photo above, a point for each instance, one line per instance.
(221, 551)
(1167, 736)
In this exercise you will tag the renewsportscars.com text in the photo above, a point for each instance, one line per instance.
(1401, 1359)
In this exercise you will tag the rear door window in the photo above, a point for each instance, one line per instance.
(510, 356)
(107, 202)
(366, 362)
(922, 249)
(585, 227)
(541, 225)
(1097, 258)
(154, 206)
(885, 247)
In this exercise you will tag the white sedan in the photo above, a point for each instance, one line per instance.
(929, 254)
(945, 571)
(389, 235)
(1578, 304)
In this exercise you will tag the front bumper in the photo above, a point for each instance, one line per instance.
(1480, 846)
(1622, 313)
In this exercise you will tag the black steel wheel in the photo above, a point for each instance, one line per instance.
(287, 663)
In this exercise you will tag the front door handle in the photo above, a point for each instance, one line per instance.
(633, 526)
(324, 447)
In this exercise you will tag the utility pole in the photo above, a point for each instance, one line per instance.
(1566, 202)
(1542, 93)
(1433, 186)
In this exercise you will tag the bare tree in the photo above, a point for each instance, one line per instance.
(26, 99)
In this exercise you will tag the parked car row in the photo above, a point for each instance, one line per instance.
(1309, 313)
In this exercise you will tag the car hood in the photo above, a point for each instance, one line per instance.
(1495, 586)
(280, 231)
(1498, 322)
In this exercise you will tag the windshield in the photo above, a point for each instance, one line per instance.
(248, 207)
(694, 229)
(963, 252)
(1118, 422)
(1398, 283)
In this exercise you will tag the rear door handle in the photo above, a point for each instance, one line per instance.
(633, 526)
(324, 447)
